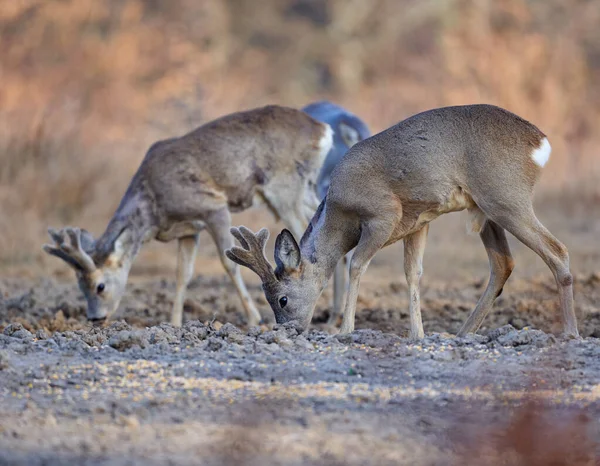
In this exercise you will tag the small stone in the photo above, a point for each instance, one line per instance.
(17, 331)
(303, 343)
(397, 287)
(518, 323)
(50, 421)
(268, 337)
(254, 331)
(345, 338)
(130, 422)
(125, 339)
(95, 337)
(515, 338)
(195, 333)
(227, 330)
(236, 338)
(527, 337)
(160, 335)
(471, 339)
(497, 333)
(214, 344)
(291, 328)
(119, 325)
(264, 327)
(4, 360)
(444, 356)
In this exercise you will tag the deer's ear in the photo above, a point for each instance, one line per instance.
(121, 245)
(349, 135)
(87, 240)
(287, 253)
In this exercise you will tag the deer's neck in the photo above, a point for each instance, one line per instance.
(330, 238)
(135, 215)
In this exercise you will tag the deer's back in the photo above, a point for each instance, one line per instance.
(226, 159)
(427, 157)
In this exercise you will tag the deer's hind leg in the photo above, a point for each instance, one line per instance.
(501, 266)
(187, 247)
(520, 220)
(218, 224)
(285, 199)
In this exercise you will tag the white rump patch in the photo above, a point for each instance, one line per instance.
(325, 143)
(542, 153)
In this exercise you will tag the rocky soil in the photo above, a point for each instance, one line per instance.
(214, 392)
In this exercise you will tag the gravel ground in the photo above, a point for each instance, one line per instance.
(214, 394)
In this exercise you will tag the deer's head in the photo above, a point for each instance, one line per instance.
(101, 272)
(290, 289)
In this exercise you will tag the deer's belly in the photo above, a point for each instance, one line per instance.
(181, 229)
(456, 201)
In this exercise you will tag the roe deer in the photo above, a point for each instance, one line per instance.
(390, 186)
(187, 184)
(348, 129)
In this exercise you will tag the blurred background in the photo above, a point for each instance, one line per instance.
(88, 85)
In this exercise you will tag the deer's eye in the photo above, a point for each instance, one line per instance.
(100, 288)
(283, 301)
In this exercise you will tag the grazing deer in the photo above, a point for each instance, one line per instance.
(348, 129)
(389, 187)
(191, 183)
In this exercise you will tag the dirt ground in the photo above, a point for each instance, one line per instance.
(214, 392)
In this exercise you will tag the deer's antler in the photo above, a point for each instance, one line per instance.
(252, 252)
(71, 252)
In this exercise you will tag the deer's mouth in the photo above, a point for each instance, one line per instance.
(97, 321)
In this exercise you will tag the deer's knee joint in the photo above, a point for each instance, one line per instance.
(355, 268)
(419, 272)
(414, 274)
(565, 279)
(509, 265)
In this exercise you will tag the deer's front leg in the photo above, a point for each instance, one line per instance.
(374, 236)
(339, 288)
(218, 224)
(414, 247)
(186, 255)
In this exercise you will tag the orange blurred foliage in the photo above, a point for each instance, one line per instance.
(88, 85)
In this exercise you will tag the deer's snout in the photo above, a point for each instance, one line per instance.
(97, 321)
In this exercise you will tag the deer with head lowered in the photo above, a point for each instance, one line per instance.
(185, 185)
(348, 129)
(391, 186)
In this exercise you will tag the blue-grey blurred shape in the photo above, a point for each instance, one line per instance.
(348, 130)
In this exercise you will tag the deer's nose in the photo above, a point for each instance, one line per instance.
(97, 321)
